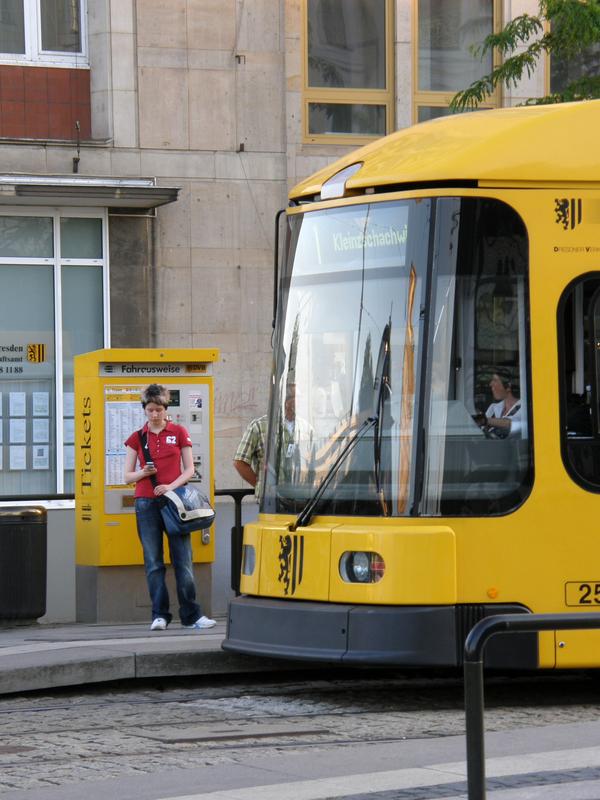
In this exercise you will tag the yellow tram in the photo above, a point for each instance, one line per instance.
(434, 429)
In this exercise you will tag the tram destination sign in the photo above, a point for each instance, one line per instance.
(353, 237)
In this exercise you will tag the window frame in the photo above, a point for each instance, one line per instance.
(34, 55)
(424, 98)
(375, 97)
(57, 263)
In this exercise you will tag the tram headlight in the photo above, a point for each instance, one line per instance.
(361, 567)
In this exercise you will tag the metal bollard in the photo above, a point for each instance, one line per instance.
(473, 675)
(237, 533)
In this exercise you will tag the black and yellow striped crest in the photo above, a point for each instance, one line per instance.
(36, 353)
(291, 562)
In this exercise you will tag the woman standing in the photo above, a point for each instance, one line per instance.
(170, 449)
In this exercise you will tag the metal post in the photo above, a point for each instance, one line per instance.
(474, 730)
(237, 533)
(473, 673)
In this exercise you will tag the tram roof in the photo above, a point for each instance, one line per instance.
(533, 144)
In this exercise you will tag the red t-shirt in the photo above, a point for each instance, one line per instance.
(165, 449)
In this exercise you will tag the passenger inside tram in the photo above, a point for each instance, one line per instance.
(502, 417)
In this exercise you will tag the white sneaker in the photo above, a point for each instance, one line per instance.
(159, 624)
(203, 622)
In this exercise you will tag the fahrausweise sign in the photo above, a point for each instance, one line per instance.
(154, 370)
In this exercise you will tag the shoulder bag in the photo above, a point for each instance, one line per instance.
(185, 509)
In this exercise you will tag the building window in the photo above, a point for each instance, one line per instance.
(53, 306)
(348, 70)
(43, 32)
(444, 64)
(563, 71)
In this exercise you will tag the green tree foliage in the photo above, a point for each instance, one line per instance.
(565, 29)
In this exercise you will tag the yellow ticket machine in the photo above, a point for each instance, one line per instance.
(111, 584)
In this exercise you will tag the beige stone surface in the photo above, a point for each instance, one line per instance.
(173, 339)
(293, 70)
(211, 24)
(223, 258)
(126, 162)
(60, 160)
(162, 23)
(211, 59)
(163, 57)
(213, 214)
(404, 84)
(292, 18)
(123, 62)
(94, 161)
(125, 130)
(260, 27)
(173, 300)
(241, 391)
(212, 117)
(163, 108)
(403, 18)
(99, 48)
(260, 102)
(99, 16)
(101, 115)
(174, 221)
(100, 82)
(122, 16)
(216, 300)
(21, 158)
(174, 257)
(257, 300)
(237, 214)
(178, 166)
(250, 166)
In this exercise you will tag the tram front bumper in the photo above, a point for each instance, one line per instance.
(361, 634)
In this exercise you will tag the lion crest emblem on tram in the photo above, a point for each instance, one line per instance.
(291, 562)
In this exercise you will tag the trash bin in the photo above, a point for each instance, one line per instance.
(23, 548)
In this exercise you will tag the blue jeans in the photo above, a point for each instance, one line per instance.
(150, 530)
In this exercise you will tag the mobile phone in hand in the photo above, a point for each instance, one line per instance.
(150, 464)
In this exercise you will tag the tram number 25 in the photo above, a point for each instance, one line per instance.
(582, 593)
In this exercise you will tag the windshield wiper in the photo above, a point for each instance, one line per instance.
(305, 516)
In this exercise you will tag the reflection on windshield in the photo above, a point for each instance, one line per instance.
(347, 337)
(362, 333)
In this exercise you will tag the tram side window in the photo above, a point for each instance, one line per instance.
(478, 454)
(579, 348)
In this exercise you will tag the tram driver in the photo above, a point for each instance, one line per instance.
(502, 418)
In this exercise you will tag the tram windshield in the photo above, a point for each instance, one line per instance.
(411, 314)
